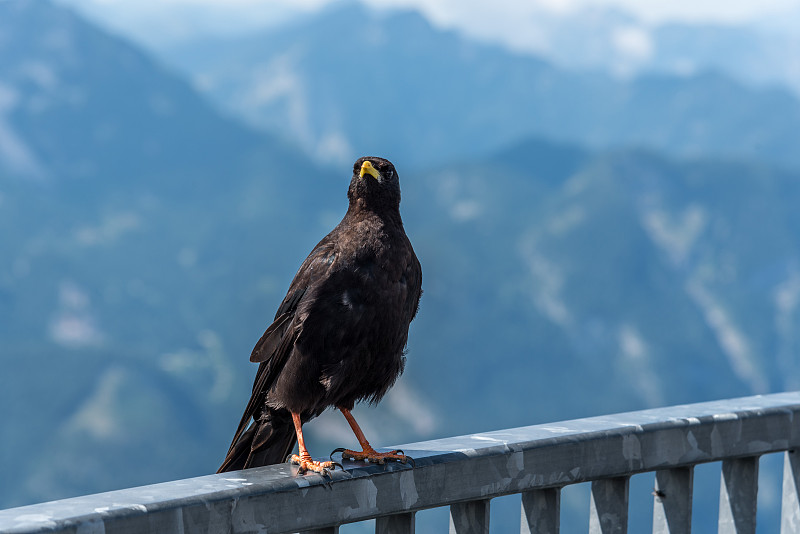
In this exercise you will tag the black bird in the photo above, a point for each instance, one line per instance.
(340, 333)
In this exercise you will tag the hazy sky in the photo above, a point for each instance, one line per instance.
(719, 10)
(512, 22)
(453, 10)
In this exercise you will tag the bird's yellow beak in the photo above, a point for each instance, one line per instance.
(367, 168)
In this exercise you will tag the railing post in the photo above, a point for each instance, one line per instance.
(395, 524)
(541, 511)
(672, 507)
(470, 517)
(790, 505)
(738, 496)
(608, 513)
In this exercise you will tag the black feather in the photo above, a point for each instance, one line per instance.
(339, 335)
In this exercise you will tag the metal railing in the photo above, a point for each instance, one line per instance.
(466, 472)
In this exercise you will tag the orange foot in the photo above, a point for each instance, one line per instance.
(307, 464)
(371, 455)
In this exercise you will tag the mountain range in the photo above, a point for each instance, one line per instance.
(149, 237)
(340, 90)
(759, 50)
(129, 210)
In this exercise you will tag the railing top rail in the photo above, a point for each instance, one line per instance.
(447, 471)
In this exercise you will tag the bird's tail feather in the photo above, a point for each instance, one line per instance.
(268, 440)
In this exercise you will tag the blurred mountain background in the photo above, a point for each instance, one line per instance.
(604, 207)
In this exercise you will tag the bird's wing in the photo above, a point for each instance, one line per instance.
(276, 343)
(275, 334)
(414, 280)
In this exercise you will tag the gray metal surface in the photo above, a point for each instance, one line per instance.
(672, 506)
(738, 496)
(608, 509)
(470, 517)
(541, 511)
(790, 505)
(448, 471)
(395, 524)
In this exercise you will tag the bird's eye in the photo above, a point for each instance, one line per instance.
(389, 173)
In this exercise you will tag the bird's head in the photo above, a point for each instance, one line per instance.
(374, 183)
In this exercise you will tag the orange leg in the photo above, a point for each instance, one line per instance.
(368, 453)
(304, 459)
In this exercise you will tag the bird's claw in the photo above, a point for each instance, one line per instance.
(407, 460)
(307, 464)
(374, 457)
(334, 451)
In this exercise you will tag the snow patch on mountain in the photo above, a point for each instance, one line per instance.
(109, 230)
(96, 416)
(675, 234)
(460, 203)
(566, 220)
(409, 405)
(16, 156)
(731, 339)
(548, 282)
(74, 325)
(272, 83)
(210, 359)
(786, 297)
(637, 359)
